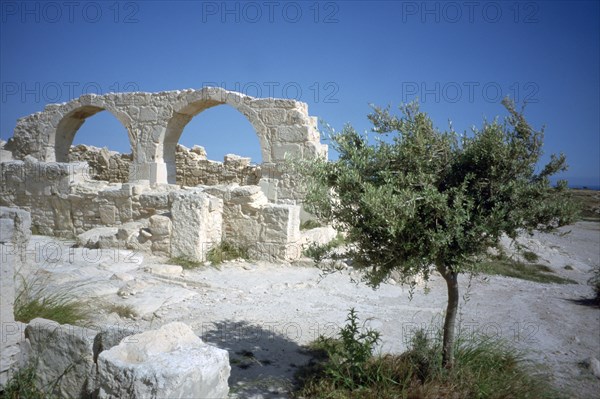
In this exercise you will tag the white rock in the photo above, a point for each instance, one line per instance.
(595, 366)
(165, 270)
(64, 356)
(196, 227)
(171, 362)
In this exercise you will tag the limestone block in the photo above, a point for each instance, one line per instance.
(193, 226)
(160, 225)
(155, 200)
(199, 150)
(252, 196)
(112, 336)
(319, 235)
(99, 237)
(5, 156)
(64, 353)
(171, 362)
(273, 116)
(125, 209)
(108, 214)
(15, 232)
(280, 223)
(148, 114)
(284, 151)
(292, 134)
(295, 117)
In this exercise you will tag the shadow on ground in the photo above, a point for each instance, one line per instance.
(263, 358)
(591, 302)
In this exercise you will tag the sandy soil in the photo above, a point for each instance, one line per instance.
(263, 313)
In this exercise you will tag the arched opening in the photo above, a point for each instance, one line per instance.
(200, 140)
(89, 134)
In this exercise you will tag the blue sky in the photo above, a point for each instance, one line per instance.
(458, 58)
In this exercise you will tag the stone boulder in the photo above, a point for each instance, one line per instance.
(171, 362)
(63, 357)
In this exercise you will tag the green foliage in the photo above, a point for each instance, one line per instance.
(184, 262)
(318, 252)
(419, 198)
(530, 256)
(348, 355)
(310, 224)
(505, 266)
(21, 385)
(225, 251)
(416, 197)
(33, 300)
(486, 368)
(588, 202)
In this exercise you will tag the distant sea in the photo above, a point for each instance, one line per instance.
(583, 186)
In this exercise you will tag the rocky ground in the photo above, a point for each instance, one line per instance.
(263, 313)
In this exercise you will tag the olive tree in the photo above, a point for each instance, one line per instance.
(417, 199)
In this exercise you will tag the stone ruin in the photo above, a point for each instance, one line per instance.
(161, 198)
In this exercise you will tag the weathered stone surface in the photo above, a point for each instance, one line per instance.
(15, 233)
(112, 336)
(99, 237)
(165, 270)
(171, 362)
(196, 222)
(155, 121)
(65, 200)
(319, 235)
(63, 355)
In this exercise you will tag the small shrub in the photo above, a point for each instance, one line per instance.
(485, 368)
(319, 252)
(505, 266)
(32, 301)
(185, 262)
(348, 355)
(225, 251)
(310, 224)
(530, 256)
(21, 385)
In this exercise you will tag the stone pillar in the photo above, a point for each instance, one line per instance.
(15, 231)
(153, 172)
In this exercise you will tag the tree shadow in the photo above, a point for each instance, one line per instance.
(590, 302)
(264, 358)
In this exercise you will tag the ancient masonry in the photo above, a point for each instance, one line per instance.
(162, 197)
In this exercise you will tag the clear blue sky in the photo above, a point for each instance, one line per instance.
(458, 58)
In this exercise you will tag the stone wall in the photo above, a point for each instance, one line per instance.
(155, 122)
(103, 164)
(193, 167)
(165, 219)
(15, 232)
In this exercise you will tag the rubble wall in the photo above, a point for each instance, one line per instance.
(193, 166)
(162, 218)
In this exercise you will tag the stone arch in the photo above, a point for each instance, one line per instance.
(62, 136)
(194, 105)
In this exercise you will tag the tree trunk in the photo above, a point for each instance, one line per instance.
(451, 278)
